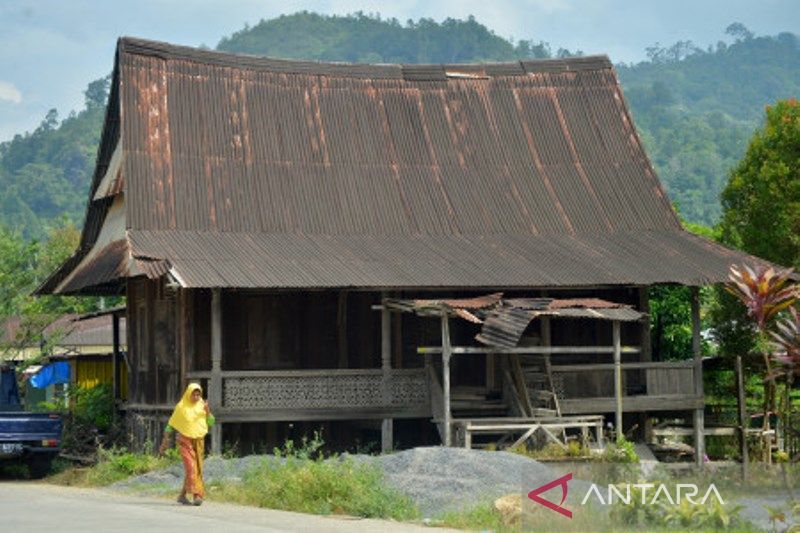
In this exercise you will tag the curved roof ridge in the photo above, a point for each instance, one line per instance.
(410, 72)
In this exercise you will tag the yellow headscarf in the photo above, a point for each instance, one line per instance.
(189, 418)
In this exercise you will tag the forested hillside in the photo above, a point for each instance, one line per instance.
(44, 174)
(361, 38)
(695, 108)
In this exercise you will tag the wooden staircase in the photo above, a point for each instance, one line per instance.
(532, 377)
(476, 402)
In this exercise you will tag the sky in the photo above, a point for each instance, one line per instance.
(51, 49)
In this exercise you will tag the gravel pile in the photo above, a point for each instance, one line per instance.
(437, 479)
(214, 469)
(442, 479)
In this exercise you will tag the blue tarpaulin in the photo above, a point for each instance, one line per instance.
(51, 374)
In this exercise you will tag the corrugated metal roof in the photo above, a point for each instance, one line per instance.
(216, 259)
(505, 320)
(312, 174)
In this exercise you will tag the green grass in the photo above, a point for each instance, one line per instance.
(114, 465)
(479, 518)
(318, 486)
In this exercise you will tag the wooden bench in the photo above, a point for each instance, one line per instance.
(507, 426)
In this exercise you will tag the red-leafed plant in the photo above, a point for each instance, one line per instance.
(766, 292)
(787, 339)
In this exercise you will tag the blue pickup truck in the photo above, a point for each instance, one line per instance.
(32, 438)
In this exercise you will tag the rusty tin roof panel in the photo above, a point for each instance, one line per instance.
(240, 171)
(219, 259)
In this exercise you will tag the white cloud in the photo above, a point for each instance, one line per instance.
(10, 93)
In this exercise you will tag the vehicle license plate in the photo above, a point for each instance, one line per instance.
(9, 448)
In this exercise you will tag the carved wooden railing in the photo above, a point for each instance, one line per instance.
(322, 394)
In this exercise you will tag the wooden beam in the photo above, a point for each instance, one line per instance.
(387, 429)
(446, 352)
(545, 331)
(617, 380)
(688, 432)
(117, 381)
(645, 421)
(699, 414)
(343, 413)
(531, 350)
(630, 404)
(742, 411)
(215, 387)
(397, 340)
(182, 323)
(316, 372)
(594, 367)
(341, 326)
(646, 341)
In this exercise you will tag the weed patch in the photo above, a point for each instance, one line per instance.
(113, 465)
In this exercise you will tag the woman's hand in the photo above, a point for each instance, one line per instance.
(164, 444)
(205, 406)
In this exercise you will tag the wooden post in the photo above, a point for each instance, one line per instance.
(645, 356)
(387, 426)
(446, 375)
(215, 386)
(617, 379)
(341, 326)
(742, 408)
(117, 381)
(182, 323)
(699, 414)
(546, 331)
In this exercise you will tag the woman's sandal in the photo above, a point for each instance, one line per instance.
(197, 501)
(182, 499)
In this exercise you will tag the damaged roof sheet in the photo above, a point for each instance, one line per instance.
(505, 320)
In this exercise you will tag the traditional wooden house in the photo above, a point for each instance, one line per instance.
(260, 214)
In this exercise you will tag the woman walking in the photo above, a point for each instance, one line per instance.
(190, 421)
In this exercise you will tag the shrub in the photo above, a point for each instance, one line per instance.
(114, 465)
(622, 451)
(94, 406)
(301, 479)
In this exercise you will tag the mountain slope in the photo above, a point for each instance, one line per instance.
(695, 109)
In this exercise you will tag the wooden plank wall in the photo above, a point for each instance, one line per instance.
(153, 343)
(281, 331)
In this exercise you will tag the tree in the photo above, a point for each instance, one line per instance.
(24, 264)
(761, 215)
(761, 202)
(739, 31)
(96, 93)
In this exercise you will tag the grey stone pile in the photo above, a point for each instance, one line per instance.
(437, 479)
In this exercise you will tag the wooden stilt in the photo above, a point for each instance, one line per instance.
(742, 408)
(646, 356)
(387, 427)
(617, 379)
(446, 376)
(699, 414)
(215, 387)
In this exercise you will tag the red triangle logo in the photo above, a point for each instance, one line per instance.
(562, 482)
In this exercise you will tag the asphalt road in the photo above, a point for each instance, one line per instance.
(28, 506)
